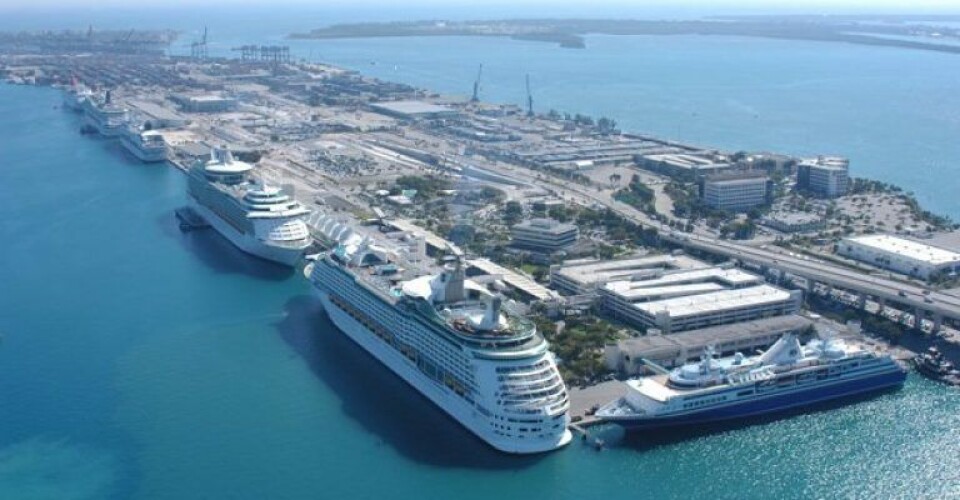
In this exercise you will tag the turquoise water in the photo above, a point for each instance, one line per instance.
(141, 362)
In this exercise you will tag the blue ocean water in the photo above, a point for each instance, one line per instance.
(892, 111)
(137, 361)
(141, 362)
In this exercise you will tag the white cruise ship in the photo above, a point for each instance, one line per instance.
(788, 375)
(104, 117)
(147, 146)
(76, 96)
(259, 219)
(447, 336)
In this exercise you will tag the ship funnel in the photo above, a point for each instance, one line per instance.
(491, 317)
(454, 289)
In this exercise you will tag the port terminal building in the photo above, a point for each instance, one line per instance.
(630, 356)
(900, 255)
(585, 277)
(697, 298)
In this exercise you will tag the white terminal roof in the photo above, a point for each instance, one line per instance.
(716, 301)
(640, 294)
(417, 231)
(513, 279)
(612, 270)
(909, 249)
(412, 107)
(714, 276)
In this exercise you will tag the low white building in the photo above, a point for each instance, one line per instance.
(899, 254)
(586, 276)
(699, 298)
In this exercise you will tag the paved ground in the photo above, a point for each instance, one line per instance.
(582, 400)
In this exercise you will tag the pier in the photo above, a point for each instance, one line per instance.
(583, 401)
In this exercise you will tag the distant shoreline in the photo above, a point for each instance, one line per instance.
(570, 33)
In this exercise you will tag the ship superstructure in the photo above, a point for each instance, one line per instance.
(788, 375)
(258, 218)
(76, 96)
(147, 146)
(104, 117)
(451, 339)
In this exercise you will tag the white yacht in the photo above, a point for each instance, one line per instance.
(448, 337)
(788, 375)
(147, 146)
(259, 219)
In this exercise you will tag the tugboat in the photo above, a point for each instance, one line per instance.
(933, 365)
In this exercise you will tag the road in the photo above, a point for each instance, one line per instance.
(933, 303)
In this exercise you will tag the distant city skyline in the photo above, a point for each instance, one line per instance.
(812, 6)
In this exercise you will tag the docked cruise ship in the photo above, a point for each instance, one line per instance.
(147, 146)
(76, 96)
(104, 117)
(259, 219)
(447, 336)
(788, 375)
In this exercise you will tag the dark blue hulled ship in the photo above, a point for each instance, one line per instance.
(788, 375)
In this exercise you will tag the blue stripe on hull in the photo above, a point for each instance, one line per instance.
(771, 404)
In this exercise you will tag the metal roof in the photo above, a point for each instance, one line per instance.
(906, 248)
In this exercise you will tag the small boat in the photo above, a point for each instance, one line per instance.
(933, 365)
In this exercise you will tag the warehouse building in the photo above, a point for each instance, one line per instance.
(901, 255)
(207, 103)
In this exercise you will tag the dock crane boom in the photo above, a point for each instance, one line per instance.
(529, 97)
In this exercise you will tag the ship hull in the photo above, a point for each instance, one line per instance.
(288, 256)
(105, 130)
(449, 402)
(769, 405)
(71, 102)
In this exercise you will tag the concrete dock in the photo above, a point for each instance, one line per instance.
(583, 399)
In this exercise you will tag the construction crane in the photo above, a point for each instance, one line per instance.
(529, 97)
(476, 86)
